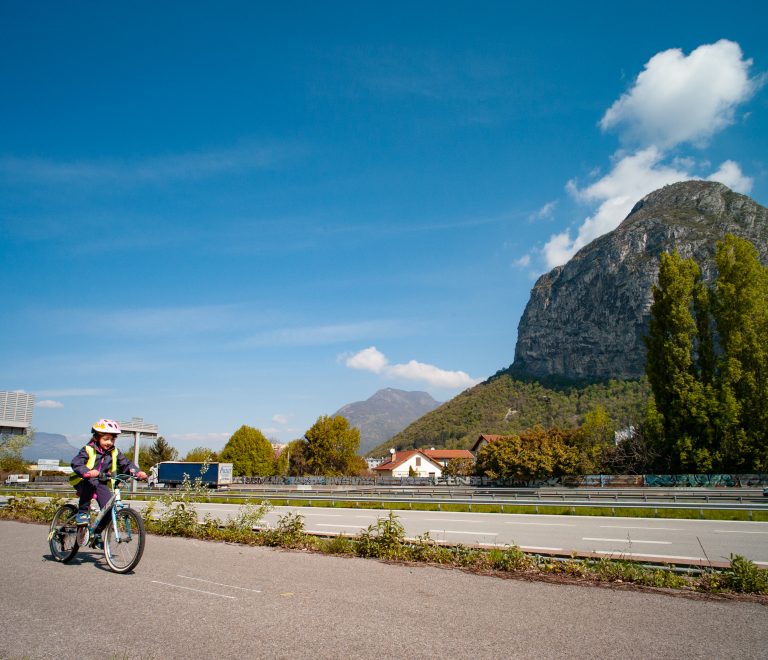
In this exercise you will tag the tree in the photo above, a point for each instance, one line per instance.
(11, 450)
(707, 362)
(741, 316)
(145, 457)
(332, 446)
(249, 452)
(594, 439)
(534, 454)
(161, 451)
(412, 472)
(201, 455)
(459, 467)
(296, 459)
(682, 401)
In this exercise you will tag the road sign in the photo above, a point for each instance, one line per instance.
(47, 464)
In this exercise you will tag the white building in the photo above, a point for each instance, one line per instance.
(401, 464)
(16, 412)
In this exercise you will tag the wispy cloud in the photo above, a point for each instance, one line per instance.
(546, 212)
(282, 419)
(155, 169)
(48, 403)
(370, 359)
(328, 334)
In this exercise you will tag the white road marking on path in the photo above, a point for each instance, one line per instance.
(218, 584)
(542, 524)
(210, 593)
(666, 529)
(628, 541)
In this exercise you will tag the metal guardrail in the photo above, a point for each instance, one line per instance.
(470, 501)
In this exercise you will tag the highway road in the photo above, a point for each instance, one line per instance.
(192, 599)
(655, 538)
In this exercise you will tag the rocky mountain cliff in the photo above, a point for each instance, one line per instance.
(586, 319)
(385, 414)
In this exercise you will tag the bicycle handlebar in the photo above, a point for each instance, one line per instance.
(104, 477)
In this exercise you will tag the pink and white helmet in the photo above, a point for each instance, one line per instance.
(106, 426)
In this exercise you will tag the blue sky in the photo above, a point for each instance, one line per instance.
(231, 213)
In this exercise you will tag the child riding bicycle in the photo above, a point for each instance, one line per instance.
(98, 456)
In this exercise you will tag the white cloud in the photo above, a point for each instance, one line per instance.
(631, 178)
(19, 392)
(676, 99)
(680, 99)
(523, 261)
(731, 175)
(545, 212)
(373, 360)
(432, 375)
(368, 359)
(282, 419)
(48, 404)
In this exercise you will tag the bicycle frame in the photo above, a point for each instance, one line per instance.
(115, 504)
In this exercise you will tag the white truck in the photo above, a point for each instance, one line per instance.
(17, 479)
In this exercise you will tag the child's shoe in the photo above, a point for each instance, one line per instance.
(98, 542)
(84, 518)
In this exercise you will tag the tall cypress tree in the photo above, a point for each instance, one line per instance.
(675, 377)
(741, 315)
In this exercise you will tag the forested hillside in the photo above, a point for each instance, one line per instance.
(511, 402)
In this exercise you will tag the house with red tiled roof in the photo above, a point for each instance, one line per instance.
(442, 456)
(402, 462)
(484, 439)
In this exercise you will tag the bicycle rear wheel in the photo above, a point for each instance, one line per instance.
(63, 536)
(124, 546)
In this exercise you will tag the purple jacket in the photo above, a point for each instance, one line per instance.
(103, 458)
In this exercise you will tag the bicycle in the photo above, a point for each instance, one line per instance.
(124, 535)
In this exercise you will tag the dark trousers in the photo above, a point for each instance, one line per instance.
(85, 489)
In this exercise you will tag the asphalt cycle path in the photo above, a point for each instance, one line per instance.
(195, 599)
(654, 538)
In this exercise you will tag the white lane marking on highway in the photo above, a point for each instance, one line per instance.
(628, 541)
(538, 547)
(327, 515)
(178, 586)
(541, 524)
(450, 531)
(450, 520)
(666, 529)
(218, 584)
(349, 525)
(737, 531)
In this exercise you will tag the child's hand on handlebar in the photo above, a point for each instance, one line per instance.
(91, 473)
(141, 475)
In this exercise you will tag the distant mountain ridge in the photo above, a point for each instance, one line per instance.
(50, 445)
(385, 414)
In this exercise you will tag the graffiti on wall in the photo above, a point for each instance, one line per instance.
(583, 481)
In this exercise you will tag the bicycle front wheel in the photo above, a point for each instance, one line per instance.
(62, 538)
(124, 545)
